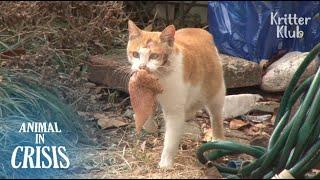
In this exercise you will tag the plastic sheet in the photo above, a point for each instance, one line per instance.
(243, 29)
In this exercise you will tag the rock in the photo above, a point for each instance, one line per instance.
(257, 119)
(236, 105)
(280, 73)
(268, 106)
(106, 70)
(239, 72)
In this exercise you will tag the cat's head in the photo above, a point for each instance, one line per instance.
(149, 50)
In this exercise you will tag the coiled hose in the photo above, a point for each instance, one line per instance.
(294, 144)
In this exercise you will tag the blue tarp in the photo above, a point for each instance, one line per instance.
(244, 29)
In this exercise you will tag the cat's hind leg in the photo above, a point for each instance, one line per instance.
(214, 108)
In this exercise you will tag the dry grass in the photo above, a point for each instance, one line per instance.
(132, 160)
(61, 34)
(126, 155)
(54, 39)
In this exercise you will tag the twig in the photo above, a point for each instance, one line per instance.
(185, 12)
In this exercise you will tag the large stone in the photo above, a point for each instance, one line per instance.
(280, 73)
(239, 72)
(114, 71)
(268, 106)
(236, 105)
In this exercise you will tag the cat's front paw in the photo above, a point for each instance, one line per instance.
(217, 139)
(166, 163)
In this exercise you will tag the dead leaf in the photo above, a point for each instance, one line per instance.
(11, 53)
(207, 135)
(155, 142)
(99, 115)
(105, 123)
(256, 128)
(143, 146)
(252, 131)
(260, 126)
(263, 64)
(184, 146)
(3, 63)
(148, 28)
(237, 124)
(273, 119)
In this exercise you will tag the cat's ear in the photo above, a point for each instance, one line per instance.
(133, 29)
(167, 35)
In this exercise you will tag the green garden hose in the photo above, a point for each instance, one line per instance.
(294, 144)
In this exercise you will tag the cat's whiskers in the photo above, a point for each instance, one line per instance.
(121, 68)
(127, 73)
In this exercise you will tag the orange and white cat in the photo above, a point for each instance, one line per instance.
(188, 66)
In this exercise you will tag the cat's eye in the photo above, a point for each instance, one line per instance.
(135, 54)
(154, 56)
